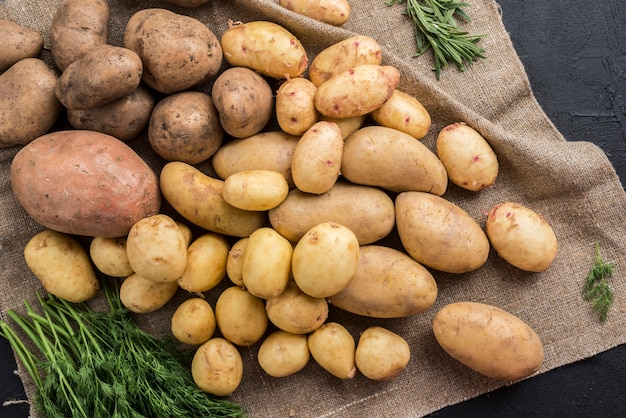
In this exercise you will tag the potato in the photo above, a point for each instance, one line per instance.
(185, 127)
(469, 160)
(347, 125)
(393, 160)
(296, 312)
(404, 113)
(157, 248)
(335, 12)
(367, 211)
(234, 263)
(521, 236)
(271, 151)
(266, 267)
(439, 234)
(141, 295)
(62, 265)
(28, 105)
(17, 42)
(265, 47)
(333, 348)
(283, 353)
(186, 232)
(178, 51)
(316, 161)
(344, 55)
(109, 256)
(217, 367)
(198, 198)
(244, 101)
(193, 321)
(295, 105)
(240, 316)
(84, 183)
(381, 354)
(78, 26)
(257, 190)
(206, 263)
(388, 284)
(488, 340)
(357, 91)
(123, 118)
(325, 259)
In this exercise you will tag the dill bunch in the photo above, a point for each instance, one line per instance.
(596, 289)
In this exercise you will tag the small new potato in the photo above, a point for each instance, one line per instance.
(521, 236)
(381, 354)
(234, 263)
(333, 347)
(488, 340)
(296, 312)
(282, 353)
(141, 295)
(17, 42)
(62, 265)
(295, 105)
(404, 113)
(335, 12)
(469, 160)
(347, 125)
(240, 316)
(193, 321)
(109, 256)
(206, 263)
(217, 367)
(256, 190)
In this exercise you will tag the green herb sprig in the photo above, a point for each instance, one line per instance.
(436, 28)
(596, 289)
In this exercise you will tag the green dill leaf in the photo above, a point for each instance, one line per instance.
(596, 289)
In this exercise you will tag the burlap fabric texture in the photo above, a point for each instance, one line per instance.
(571, 184)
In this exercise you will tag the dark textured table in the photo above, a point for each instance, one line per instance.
(575, 55)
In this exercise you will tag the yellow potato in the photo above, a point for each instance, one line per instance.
(255, 190)
(521, 236)
(265, 47)
(469, 160)
(347, 125)
(240, 316)
(266, 267)
(404, 113)
(325, 259)
(391, 159)
(217, 367)
(333, 12)
(439, 234)
(282, 353)
(381, 354)
(333, 348)
(193, 321)
(316, 161)
(343, 55)
(62, 265)
(157, 248)
(356, 91)
(234, 263)
(141, 295)
(296, 312)
(295, 105)
(489, 340)
(198, 198)
(109, 256)
(206, 263)
(388, 284)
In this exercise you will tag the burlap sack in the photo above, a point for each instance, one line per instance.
(571, 184)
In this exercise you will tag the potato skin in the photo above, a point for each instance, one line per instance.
(17, 42)
(255, 189)
(109, 256)
(282, 353)
(206, 263)
(521, 236)
(489, 340)
(404, 113)
(296, 312)
(141, 295)
(381, 354)
(217, 367)
(388, 284)
(77, 27)
(332, 346)
(84, 183)
(193, 321)
(333, 12)
(28, 105)
(240, 316)
(295, 105)
(439, 234)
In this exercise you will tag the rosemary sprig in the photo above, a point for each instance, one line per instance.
(436, 28)
(596, 289)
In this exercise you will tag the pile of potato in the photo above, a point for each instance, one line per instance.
(294, 216)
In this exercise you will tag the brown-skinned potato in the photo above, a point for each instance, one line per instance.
(17, 42)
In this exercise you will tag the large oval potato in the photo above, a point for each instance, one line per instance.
(489, 340)
(367, 211)
(521, 236)
(84, 183)
(198, 198)
(404, 113)
(17, 42)
(335, 12)
(391, 159)
(255, 189)
(295, 105)
(28, 105)
(439, 234)
(265, 47)
(388, 284)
